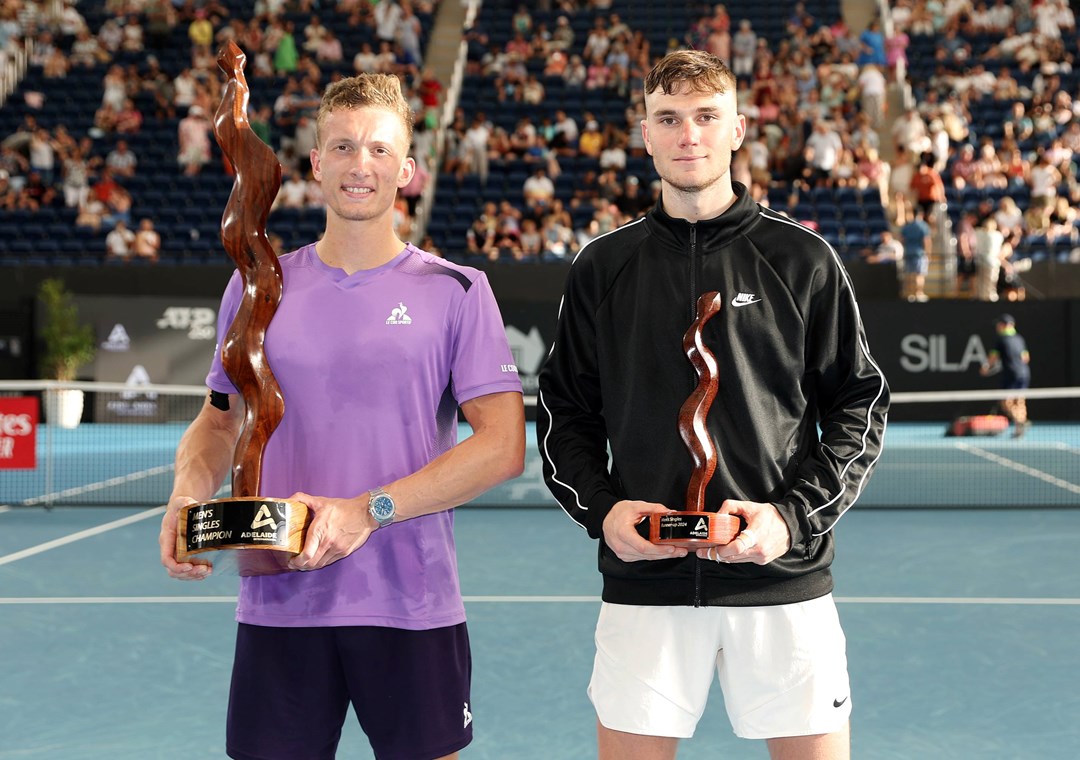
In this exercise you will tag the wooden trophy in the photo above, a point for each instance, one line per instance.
(249, 533)
(696, 528)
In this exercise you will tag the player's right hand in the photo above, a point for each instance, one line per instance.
(622, 537)
(184, 571)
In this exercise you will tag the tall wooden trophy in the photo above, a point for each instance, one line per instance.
(249, 533)
(696, 528)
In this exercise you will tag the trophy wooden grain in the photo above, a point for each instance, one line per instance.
(248, 532)
(694, 527)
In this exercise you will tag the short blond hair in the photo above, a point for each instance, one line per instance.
(365, 91)
(701, 71)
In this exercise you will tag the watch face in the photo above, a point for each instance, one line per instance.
(382, 508)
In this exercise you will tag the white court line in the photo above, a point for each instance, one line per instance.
(71, 538)
(1012, 465)
(49, 498)
(963, 600)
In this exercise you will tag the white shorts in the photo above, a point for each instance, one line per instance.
(783, 669)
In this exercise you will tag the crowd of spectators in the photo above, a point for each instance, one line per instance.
(987, 149)
(44, 167)
(815, 102)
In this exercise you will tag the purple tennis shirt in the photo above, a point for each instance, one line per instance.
(372, 366)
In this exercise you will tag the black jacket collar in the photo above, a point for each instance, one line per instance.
(710, 234)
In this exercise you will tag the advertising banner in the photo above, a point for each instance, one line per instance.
(149, 341)
(18, 433)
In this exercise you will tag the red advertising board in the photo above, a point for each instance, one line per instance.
(18, 433)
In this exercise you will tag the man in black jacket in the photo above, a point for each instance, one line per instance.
(797, 422)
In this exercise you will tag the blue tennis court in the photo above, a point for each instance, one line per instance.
(111, 464)
(961, 622)
(961, 632)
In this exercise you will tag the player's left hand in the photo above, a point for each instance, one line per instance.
(338, 528)
(764, 538)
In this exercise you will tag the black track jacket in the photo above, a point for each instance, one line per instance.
(798, 418)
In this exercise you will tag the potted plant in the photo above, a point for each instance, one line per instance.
(67, 345)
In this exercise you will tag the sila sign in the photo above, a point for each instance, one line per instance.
(929, 353)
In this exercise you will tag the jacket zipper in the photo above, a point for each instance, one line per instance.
(693, 314)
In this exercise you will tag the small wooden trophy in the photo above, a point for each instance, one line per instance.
(696, 528)
(254, 535)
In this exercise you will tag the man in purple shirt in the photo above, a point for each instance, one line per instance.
(375, 346)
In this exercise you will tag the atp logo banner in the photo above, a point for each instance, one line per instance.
(18, 433)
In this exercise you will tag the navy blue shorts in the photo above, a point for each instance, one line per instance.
(291, 689)
(1010, 383)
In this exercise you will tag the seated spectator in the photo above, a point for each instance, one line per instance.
(133, 35)
(597, 74)
(104, 121)
(428, 244)
(128, 119)
(1043, 179)
(576, 73)
(556, 64)
(86, 51)
(35, 194)
(532, 91)
(871, 171)
(562, 36)
(989, 169)
(8, 194)
(888, 250)
(480, 236)
(586, 189)
(1018, 125)
(121, 160)
(402, 221)
(538, 191)
(90, 215)
(365, 61)
(313, 195)
(565, 134)
(509, 220)
(119, 243)
(506, 249)
(610, 186)
(531, 241)
(1062, 228)
(14, 164)
(613, 156)
(293, 191)
(1015, 167)
(147, 242)
(415, 189)
(591, 141)
(56, 65)
(1010, 220)
(558, 237)
(590, 232)
(633, 202)
(117, 207)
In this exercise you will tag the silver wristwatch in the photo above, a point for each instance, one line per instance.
(381, 506)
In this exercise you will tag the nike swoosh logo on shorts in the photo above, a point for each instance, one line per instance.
(839, 702)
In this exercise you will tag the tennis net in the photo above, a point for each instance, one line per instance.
(945, 449)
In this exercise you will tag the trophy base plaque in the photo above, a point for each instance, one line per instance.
(692, 530)
(242, 536)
